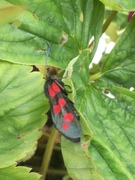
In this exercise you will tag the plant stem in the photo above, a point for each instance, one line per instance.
(106, 24)
(48, 153)
(108, 21)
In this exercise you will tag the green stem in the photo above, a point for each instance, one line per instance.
(108, 21)
(48, 153)
(106, 24)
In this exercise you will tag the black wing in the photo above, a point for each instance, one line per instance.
(64, 114)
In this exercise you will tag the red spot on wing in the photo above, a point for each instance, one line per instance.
(56, 109)
(65, 126)
(68, 117)
(61, 102)
(55, 87)
(51, 92)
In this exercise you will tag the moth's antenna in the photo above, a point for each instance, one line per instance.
(46, 59)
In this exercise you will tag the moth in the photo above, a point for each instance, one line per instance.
(64, 115)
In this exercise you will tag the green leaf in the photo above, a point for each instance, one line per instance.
(113, 139)
(123, 50)
(120, 64)
(12, 173)
(68, 26)
(76, 159)
(115, 150)
(120, 5)
(22, 107)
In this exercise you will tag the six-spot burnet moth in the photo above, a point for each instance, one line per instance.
(64, 115)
